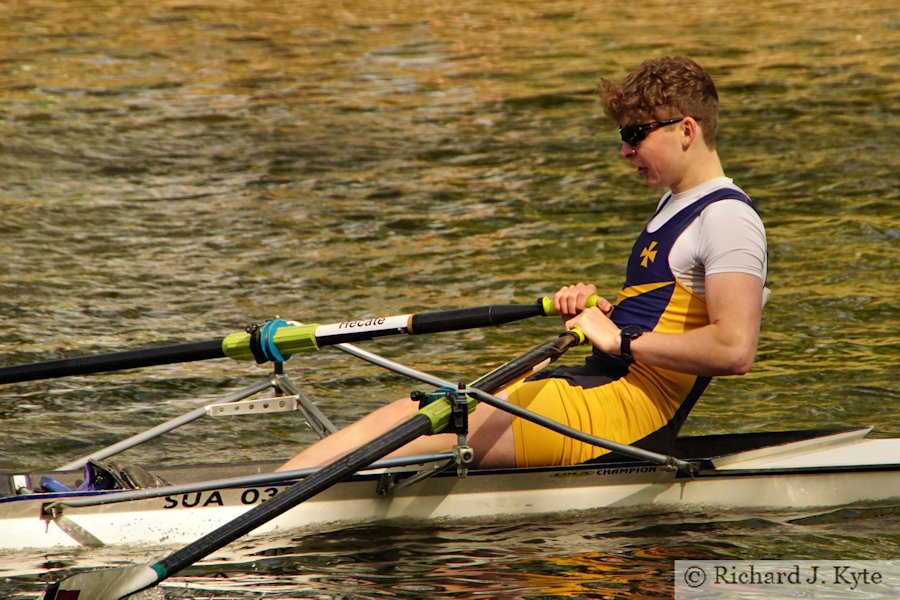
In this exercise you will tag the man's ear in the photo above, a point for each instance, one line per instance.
(689, 132)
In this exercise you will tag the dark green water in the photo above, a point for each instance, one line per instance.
(171, 171)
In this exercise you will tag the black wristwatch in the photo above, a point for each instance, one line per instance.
(629, 332)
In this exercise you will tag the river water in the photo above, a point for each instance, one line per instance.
(172, 170)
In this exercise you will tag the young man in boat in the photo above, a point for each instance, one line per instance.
(689, 309)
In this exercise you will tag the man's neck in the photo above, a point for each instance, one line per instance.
(700, 169)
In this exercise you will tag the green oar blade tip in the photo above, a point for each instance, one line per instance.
(106, 584)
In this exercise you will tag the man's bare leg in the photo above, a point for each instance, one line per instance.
(490, 435)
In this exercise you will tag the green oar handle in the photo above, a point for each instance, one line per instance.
(549, 309)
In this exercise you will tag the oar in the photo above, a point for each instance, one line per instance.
(114, 583)
(277, 340)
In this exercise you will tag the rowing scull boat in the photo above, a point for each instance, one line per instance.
(789, 469)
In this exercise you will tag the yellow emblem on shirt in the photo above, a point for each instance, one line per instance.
(648, 253)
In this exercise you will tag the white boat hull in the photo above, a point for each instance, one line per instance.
(816, 473)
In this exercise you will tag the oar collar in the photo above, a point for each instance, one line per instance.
(262, 341)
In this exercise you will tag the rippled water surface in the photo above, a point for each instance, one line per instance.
(170, 171)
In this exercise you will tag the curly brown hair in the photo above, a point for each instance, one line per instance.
(664, 88)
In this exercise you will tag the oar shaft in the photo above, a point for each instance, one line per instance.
(289, 339)
(435, 322)
(114, 361)
(479, 316)
(527, 363)
(432, 418)
(333, 473)
(282, 339)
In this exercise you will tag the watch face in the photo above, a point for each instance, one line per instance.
(632, 331)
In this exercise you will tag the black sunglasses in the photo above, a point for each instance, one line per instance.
(633, 135)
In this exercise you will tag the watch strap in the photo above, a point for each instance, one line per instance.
(629, 333)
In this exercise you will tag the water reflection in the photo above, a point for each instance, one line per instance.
(620, 554)
(170, 171)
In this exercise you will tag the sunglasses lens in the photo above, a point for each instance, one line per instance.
(633, 135)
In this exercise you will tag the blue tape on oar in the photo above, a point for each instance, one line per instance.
(267, 340)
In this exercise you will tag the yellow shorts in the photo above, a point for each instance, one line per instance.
(624, 411)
